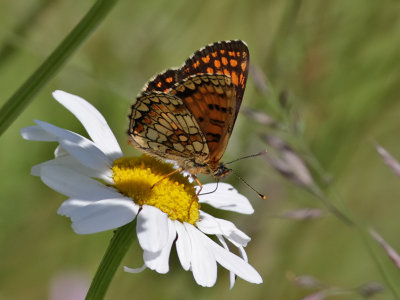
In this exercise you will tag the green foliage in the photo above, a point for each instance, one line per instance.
(337, 60)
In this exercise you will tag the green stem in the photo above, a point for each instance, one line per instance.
(119, 245)
(340, 214)
(24, 95)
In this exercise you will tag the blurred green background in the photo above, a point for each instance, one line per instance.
(337, 60)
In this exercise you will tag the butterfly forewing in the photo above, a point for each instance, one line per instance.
(164, 81)
(211, 100)
(230, 58)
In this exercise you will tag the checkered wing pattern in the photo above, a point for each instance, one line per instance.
(164, 125)
(160, 124)
(187, 114)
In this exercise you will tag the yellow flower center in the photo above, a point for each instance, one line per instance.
(134, 177)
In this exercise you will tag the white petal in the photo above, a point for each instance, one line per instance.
(211, 225)
(35, 133)
(60, 151)
(159, 261)
(90, 217)
(231, 261)
(75, 185)
(232, 276)
(94, 123)
(243, 253)
(183, 246)
(67, 161)
(225, 197)
(204, 265)
(152, 229)
(69, 207)
(232, 280)
(135, 270)
(78, 146)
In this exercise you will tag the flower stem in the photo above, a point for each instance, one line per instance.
(119, 245)
(47, 70)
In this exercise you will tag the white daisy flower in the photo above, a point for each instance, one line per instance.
(107, 190)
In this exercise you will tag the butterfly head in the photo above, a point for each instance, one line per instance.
(221, 171)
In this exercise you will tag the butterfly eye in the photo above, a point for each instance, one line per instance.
(222, 171)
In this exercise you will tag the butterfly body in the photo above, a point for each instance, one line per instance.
(187, 114)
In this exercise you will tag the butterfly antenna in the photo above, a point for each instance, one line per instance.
(259, 194)
(248, 156)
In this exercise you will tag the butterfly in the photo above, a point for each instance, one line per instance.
(187, 114)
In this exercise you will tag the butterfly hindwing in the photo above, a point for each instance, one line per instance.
(160, 124)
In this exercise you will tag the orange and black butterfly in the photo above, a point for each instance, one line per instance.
(187, 114)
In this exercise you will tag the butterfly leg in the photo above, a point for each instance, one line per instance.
(197, 194)
(199, 183)
(166, 176)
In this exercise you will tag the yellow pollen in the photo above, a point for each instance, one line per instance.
(174, 195)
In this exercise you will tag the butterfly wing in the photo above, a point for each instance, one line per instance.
(211, 99)
(230, 58)
(187, 114)
(161, 125)
(164, 81)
